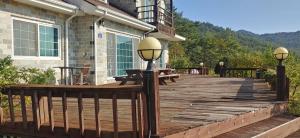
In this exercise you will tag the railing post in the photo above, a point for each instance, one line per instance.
(281, 83)
(155, 12)
(151, 89)
(43, 105)
(172, 13)
(1, 112)
(222, 72)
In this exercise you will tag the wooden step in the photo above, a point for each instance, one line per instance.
(236, 122)
(294, 135)
(275, 127)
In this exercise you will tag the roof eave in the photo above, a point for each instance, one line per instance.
(56, 6)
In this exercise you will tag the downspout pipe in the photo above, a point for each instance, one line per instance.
(66, 50)
(146, 33)
(95, 43)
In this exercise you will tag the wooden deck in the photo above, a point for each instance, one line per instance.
(191, 102)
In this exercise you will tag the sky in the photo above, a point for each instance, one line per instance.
(258, 16)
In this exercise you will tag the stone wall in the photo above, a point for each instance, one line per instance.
(81, 47)
(82, 52)
(10, 9)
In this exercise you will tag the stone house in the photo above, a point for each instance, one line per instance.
(103, 34)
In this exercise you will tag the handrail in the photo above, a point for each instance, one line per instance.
(240, 72)
(45, 115)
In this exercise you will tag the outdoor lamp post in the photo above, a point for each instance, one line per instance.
(221, 63)
(149, 50)
(202, 69)
(281, 54)
(201, 64)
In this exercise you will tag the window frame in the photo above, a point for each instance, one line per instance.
(131, 36)
(38, 24)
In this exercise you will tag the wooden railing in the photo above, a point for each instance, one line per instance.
(241, 72)
(193, 70)
(41, 100)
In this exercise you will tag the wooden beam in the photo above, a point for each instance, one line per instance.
(50, 111)
(97, 115)
(36, 110)
(140, 116)
(133, 114)
(11, 107)
(65, 112)
(81, 116)
(23, 109)
(1, 112)
(115, 116)
(151, 88)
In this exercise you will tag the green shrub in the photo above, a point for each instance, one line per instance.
(270, 77)
(10, 74)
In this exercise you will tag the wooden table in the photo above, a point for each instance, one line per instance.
(71, 69)
(167, 74)
(165, 71)
(135, 75)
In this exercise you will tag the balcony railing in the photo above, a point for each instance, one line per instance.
(157, 16)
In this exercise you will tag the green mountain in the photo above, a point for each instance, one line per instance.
(290, 40)
(209, 43)
(245, 38)
(252, 40)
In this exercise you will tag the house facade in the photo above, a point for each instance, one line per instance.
(103, 34)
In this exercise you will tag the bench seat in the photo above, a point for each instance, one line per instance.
(171, 77)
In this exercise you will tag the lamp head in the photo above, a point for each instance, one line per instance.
(221, 63)
(281, 53)
(201, 64)
(149, 49)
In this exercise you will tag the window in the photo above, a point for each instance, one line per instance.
(48, 41)
(35, 40)
(25, 39)
(124, 55)
(121, 54)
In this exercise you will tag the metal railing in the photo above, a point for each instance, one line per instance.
(155, 14)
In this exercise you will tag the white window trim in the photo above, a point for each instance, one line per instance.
(125, 34)
(38, 40)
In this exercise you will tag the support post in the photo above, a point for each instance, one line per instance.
(222, 71)
(281, 83)
(155, 11)
(151, 89)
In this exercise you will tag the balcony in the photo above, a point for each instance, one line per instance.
(159, 16)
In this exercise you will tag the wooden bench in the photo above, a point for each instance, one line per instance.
(164, 77)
